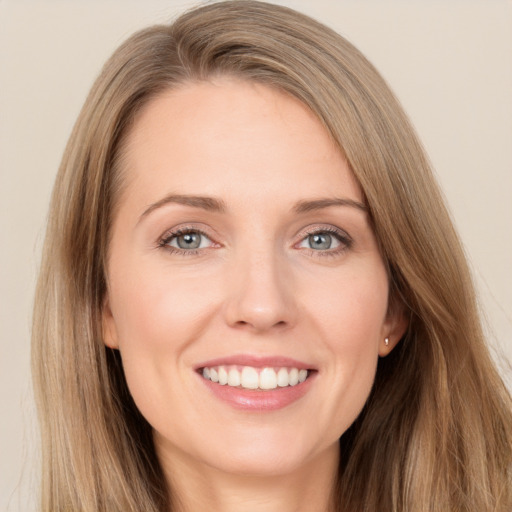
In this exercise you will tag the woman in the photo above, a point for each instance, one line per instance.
(252, 295)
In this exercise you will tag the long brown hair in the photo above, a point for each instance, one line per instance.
(436, 432)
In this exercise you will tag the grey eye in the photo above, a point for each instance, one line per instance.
(320, 241)
(190, 241)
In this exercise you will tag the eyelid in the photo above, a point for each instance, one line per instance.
(170, 234)
(341, 235)
(323, 228)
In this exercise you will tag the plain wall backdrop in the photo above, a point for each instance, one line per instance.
(449, 62)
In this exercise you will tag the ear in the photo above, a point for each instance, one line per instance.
(394, 327)
(108, 325)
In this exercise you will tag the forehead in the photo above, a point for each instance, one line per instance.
(236, 138)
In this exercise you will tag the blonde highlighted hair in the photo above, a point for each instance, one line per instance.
(436, 432)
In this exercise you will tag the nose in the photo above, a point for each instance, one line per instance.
(260, 294)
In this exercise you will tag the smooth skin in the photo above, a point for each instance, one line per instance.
(241, 230)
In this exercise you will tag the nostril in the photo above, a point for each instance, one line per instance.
(258, 325)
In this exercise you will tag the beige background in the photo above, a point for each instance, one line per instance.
(450, 62)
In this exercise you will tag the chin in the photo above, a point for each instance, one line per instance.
(269, 463)
(265, 452)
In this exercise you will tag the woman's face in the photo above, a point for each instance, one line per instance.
(242, 251)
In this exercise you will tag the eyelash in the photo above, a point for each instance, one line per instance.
(170, 235)
(343, 238)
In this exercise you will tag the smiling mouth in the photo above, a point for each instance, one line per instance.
(253, 378)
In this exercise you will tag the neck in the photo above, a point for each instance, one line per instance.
(201, 487)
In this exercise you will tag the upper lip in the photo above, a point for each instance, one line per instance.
(256, 361)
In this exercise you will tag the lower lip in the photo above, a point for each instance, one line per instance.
(257, 400)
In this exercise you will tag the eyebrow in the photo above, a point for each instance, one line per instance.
(319, 204)
(217, 205)
(206, 203)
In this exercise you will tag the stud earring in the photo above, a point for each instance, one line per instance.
(386, 342)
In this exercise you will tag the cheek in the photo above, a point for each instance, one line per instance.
(153, 310)
(350, 307)
(349, 317)
(157, 317)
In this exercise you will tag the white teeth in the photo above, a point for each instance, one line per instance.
(249, 378)
(282, 378)
(223, 375)
(293, 377)
(268, 379)
(255, 378)
(234, 377)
